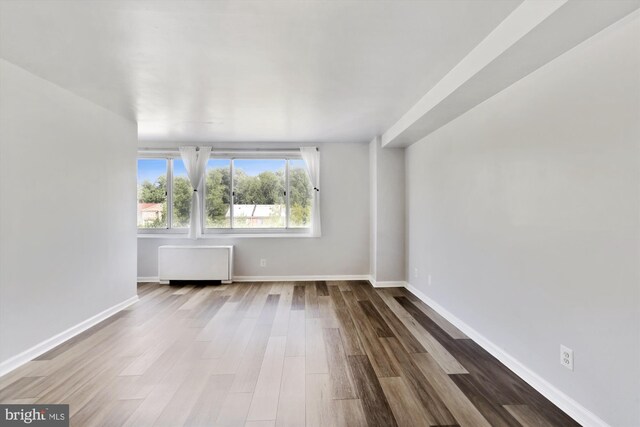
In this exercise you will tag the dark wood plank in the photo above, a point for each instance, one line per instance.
(298, 300)
(495, 380)
(405, 337)
(375, 404)
(496, 414)
(377, 322)
(321, 289)
(311, 308)
(425, 321)
(477, 362)
(336, 297)
(381, 361)
(340, 376)
(420, 385)
(359, 289)
(350, 339)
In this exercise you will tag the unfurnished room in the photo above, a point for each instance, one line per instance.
(261, 213)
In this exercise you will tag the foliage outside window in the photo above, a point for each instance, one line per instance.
(182, 191)
(218, 193)
(152, 193)
(299, 195)
(239, 193)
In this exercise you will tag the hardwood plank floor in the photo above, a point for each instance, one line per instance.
(278, 354)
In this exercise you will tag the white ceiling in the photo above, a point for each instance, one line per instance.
(248, 70)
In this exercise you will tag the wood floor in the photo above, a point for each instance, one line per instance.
(278, 354)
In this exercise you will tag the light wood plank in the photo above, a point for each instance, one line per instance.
(291, 405)
(348, 413)
(270, 423)
(311, 301)
(251, 361)
(406, 408)
(526, 416)
(296, 344)
(208, 406)
(264, 405)
(234, 410)
(453, 332)
(447, 362)
(318, 400)
(315, 351)
(231, 345)
(281, 321)
(462, 409)
(340, 375)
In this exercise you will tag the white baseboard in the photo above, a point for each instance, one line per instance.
(576, 411)
(41, 348)
(298, 278)
(279, 278)
(387, 284)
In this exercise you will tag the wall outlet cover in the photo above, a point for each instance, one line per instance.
(566, 357)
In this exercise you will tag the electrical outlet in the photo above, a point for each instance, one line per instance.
(429, 280)
(263, 262)
(415, 272)
(566, 357)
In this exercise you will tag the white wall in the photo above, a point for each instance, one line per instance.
(387, 212)
(67, 210)
(525, 212)
(343, 248)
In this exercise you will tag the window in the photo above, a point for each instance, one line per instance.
(218, 194)
(152, 193)
(259, 196)
(182, 190)
(241, 194)
(299, 195)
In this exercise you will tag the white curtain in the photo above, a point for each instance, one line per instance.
(195, 162)
(311, 157)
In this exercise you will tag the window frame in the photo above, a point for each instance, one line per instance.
(169, 229)
(207, 232)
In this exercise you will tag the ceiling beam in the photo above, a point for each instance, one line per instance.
(535, 33)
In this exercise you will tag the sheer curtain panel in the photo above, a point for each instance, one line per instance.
(195, 161)
(311, 157)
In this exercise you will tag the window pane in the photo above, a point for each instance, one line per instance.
(152, 193)
(182, 192)
(218, 193)
(259, 194)
(299, 195)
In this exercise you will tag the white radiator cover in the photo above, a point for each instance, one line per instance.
(176, 262)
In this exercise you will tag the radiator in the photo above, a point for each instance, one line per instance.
(195, 263)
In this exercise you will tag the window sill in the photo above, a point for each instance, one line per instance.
(226, 236)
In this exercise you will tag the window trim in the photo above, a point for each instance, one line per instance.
(231, 155)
